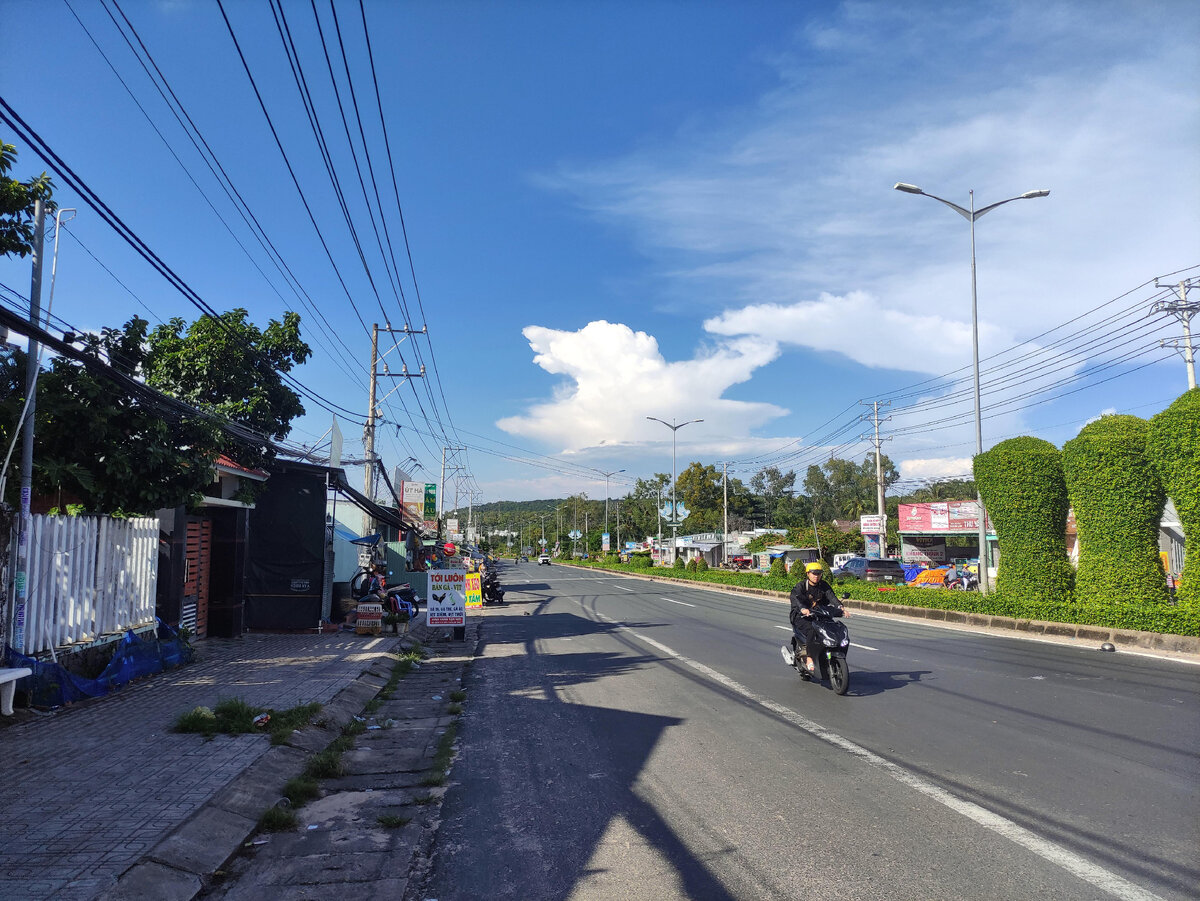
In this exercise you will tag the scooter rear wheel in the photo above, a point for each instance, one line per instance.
(839, 674)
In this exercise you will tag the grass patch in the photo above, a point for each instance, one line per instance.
(458, 695)
(301, 790)
(373, 705)
(454, 709)
(354, 727)
(283, 724)
(325, 765)
(442, 757)
(233, 716)
(424, 799)
(389, 821)
(277, 819)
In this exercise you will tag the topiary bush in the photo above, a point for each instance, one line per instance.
(1025, 494)
(779, 568)
(1174, 447)
(701, 565)
(692, 565)
(678, 564)
(1118, 501)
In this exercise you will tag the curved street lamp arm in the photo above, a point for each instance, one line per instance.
(1028, 195)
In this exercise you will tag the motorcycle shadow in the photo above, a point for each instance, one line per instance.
(864, 683)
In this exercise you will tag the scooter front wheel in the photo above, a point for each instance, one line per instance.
(839, 674)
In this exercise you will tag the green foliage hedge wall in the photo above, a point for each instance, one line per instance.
(1174, 446)
(1118, 501)
(1024, 491)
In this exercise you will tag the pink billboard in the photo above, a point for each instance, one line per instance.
(948, 517)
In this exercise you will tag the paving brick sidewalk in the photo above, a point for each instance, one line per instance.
(86, 791)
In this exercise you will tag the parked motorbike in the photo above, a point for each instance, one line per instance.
(832, 639)
(966, 582)
(492, 592)
(398, 599)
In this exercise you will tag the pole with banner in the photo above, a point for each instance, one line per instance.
(876, 525)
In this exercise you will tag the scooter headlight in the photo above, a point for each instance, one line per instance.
(845, 642)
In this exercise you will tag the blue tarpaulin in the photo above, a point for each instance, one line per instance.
(52, 686)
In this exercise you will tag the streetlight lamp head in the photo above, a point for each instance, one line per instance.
(1041, 192)
(907, 188)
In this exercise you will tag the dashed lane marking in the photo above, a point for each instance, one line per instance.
(1073, 863)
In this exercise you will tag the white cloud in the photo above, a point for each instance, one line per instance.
(791, 200)
(861, 327)
(615, 377)
(935, 468)
(1109, 411)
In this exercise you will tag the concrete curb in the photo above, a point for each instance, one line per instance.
(1121, 638)
(180, 866)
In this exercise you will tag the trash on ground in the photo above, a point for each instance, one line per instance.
(261, 720)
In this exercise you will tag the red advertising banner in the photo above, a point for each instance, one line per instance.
(948, 517)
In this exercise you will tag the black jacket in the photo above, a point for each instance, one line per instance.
(806, 595)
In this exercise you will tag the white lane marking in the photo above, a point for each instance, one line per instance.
(865, 647)
(623, 588)
(1073, 863)
(680, 603)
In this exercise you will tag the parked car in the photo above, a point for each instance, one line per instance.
(884, 569)
(544, 559)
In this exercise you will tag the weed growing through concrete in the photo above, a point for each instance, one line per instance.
(373, 705)
(325, 765)
(442, 757)
(454, 709)
(233, 716)
(277, 819)
(388, 821)
(424, 799)
(301, 790)
(354, 727)
(458, 695)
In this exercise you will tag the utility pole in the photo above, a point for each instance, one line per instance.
(31, 372)
(878, 442)
(1182, 310)
(369, 475)
(442, 481)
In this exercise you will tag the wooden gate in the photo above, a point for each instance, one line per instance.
(197, 567)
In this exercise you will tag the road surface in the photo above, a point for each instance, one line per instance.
(630, 739)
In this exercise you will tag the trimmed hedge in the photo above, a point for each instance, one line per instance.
(1118, 502)
(1024, 491)
(1174, 447)
(1166, 619)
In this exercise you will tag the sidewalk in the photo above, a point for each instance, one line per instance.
(89, 789)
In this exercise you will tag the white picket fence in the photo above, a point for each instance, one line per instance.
(89, 576)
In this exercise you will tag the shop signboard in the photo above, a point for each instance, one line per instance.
(447, 599)
(474, 590)
(948, 517)
(923, 549)
(604, 543)
(412, 496)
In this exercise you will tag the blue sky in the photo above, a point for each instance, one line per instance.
(680, 210)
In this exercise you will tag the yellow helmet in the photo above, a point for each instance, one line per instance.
(814, 567)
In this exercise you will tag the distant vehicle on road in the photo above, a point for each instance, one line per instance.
(885, 569)
(544, 559)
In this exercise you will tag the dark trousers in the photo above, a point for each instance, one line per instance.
(803, 635)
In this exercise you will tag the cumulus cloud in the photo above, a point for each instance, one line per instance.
(614, 377)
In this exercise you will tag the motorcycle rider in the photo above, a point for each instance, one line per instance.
(808, 595)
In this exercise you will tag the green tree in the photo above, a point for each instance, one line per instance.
(113, 449)
(17, 199)
(227, 366)
(843, 489)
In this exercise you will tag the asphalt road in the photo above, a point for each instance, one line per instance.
(630, 739)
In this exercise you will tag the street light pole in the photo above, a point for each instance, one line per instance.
(607, 476)
(971, 215)
(674, 507)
